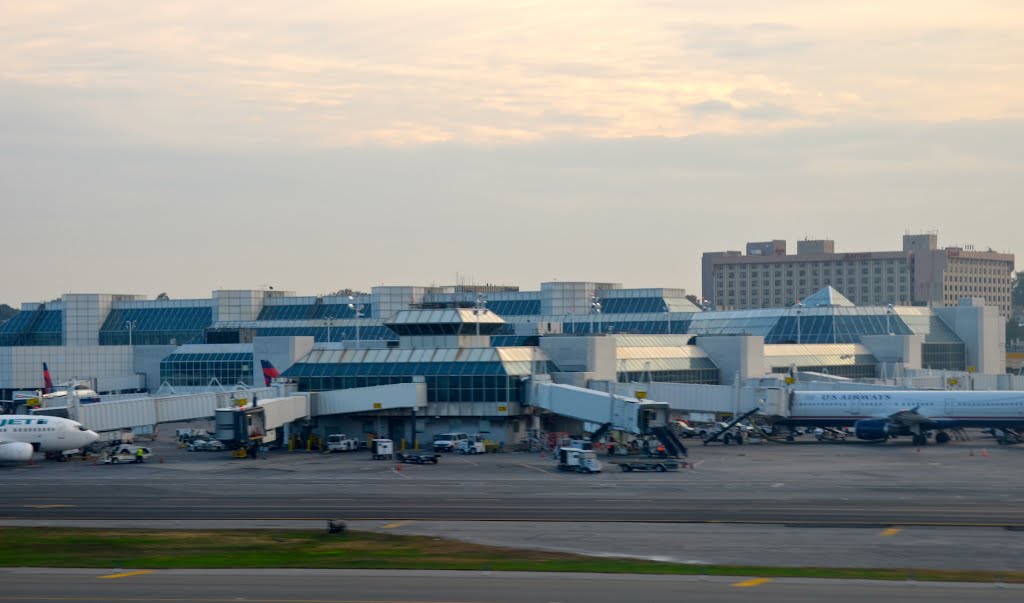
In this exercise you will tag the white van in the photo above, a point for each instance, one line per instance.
(449, 442)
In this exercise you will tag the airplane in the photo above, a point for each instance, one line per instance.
(84, 394)
(879, 415)
(21, 435)
(269, 372)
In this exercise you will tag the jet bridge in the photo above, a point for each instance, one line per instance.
(624, 413)
(237, 426)
(398, 396)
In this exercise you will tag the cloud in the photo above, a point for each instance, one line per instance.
(326, 75)
(638, 211)
(770, 112)
(205, 144)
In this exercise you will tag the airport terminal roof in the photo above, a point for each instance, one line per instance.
(428, 361)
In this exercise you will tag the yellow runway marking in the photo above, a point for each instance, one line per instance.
(397, 524)
(891, 531)
(754, 582)
(128, 574)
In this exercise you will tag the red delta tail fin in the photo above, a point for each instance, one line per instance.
(269, 372)
(47, 382)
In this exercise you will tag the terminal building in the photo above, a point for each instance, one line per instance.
(921, 274)
(469, 353)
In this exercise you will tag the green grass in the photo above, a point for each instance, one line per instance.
(138, 549)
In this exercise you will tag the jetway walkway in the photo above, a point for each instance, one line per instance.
(280, 404)
(623, 413)
(368, 399)
(142, 413)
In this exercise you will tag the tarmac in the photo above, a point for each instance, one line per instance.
(807, 504)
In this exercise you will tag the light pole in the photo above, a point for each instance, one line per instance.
(799, 309)
(479, 307)
(595, 308)
(358, 309)
(130, 324)
(888, 313)
(329, 321)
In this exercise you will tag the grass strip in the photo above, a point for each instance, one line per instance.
(177, 549)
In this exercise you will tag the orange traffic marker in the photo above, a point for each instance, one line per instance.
(984, 452)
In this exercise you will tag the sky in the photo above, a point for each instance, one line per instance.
(190, 146)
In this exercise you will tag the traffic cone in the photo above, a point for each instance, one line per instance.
(984, 452)
(161, 459)
(398, 467)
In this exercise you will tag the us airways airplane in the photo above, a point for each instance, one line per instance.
(877, 415)
(21, 435)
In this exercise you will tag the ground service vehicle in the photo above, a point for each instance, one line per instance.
(204, 445)
(578, 460)
(339, 442)
(685, 429)
(659, 465)
(63, 455)
(474, 445)
(449, 442)
(127, 454)
(419, 458)
(382, 450)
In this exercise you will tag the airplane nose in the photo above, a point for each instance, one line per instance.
(93, 436)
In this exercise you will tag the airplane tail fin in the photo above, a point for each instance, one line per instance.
(269, 372)
(47, 382)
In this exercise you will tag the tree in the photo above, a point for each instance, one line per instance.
(162, 296)
(345, 292)
(6, 312)
(1017, 289)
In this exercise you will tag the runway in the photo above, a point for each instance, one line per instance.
(954, 507)
(357, 586)
(152, 497)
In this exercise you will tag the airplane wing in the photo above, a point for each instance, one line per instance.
(910, 417)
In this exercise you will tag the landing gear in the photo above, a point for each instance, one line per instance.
(1005, 436)
(942, 438)
(920, 439)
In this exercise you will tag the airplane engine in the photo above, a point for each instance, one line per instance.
(871, 429)
(15, 452)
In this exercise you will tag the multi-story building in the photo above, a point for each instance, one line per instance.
(473, 349)
(921, 274)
